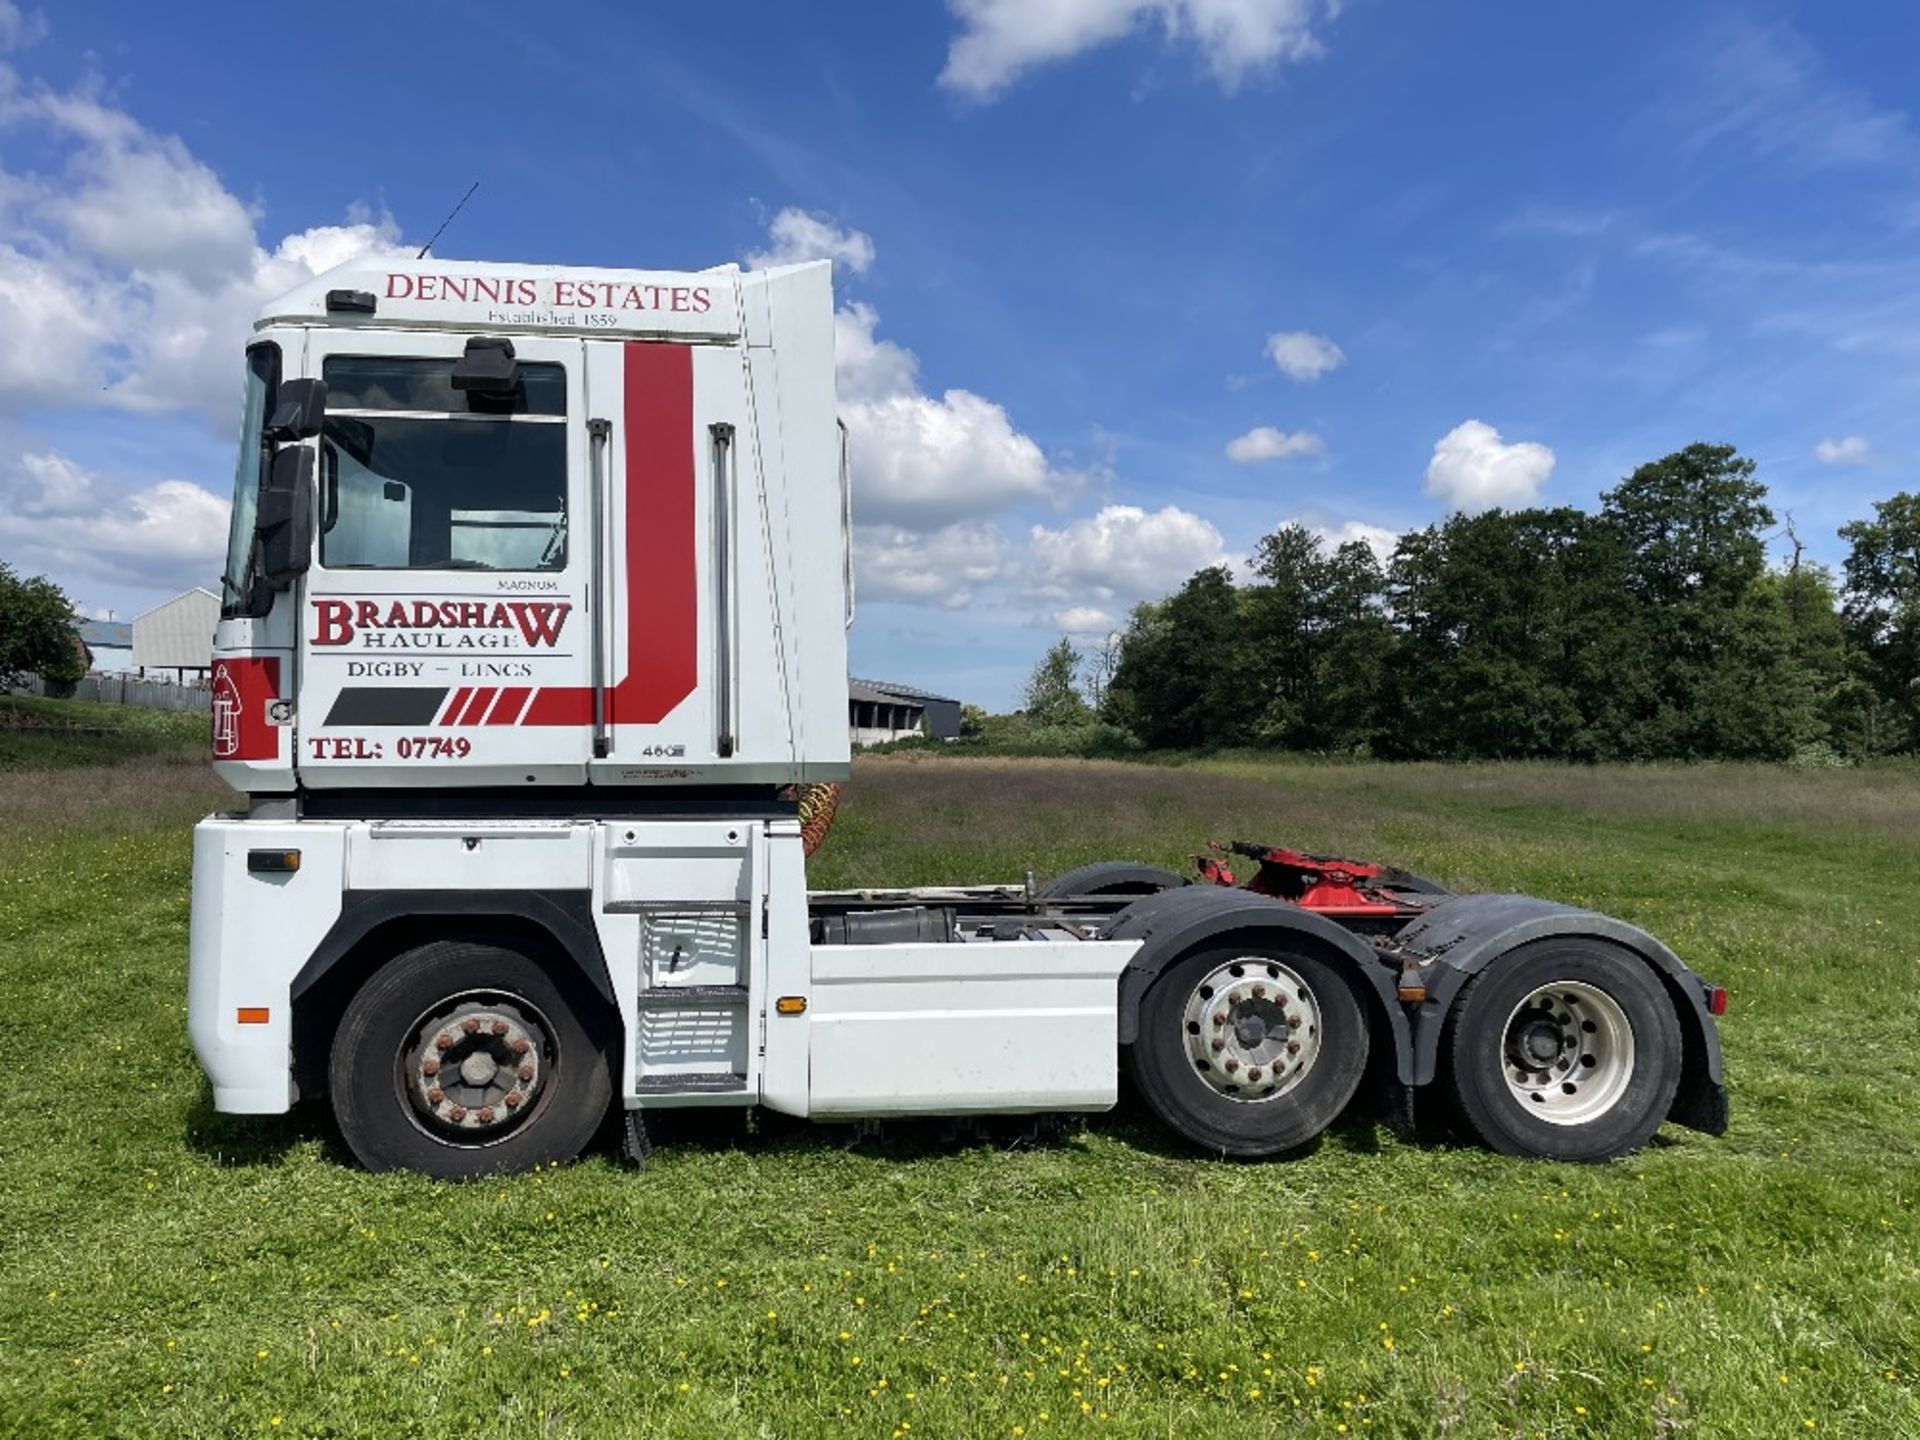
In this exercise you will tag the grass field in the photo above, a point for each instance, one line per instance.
(44, 734)
(166, 1270)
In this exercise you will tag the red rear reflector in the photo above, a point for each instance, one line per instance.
(1717, 1000)
(251, 1015)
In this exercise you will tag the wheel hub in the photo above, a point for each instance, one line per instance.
(475, 1070)
(1538, 1043)
(1252, 1029)
(1568, 1054)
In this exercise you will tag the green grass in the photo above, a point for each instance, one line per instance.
(44, 734)
(166, 1270)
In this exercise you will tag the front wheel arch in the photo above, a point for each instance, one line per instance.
(384, 927)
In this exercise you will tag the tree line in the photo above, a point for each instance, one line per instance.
(1652, 628)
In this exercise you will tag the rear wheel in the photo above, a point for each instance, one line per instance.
(1249, 1051)
(1112, 877)
(458, 1060)
(1566, 1049)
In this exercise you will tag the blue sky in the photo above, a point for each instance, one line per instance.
(1124, 283)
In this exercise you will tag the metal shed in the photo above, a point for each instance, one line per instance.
(177, 635)
(879, 710)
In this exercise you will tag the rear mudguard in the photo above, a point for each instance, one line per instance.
(1460, 937)
(1175, 922)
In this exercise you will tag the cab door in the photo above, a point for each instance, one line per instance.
(451, 581)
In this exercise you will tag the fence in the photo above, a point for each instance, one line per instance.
(120, 688)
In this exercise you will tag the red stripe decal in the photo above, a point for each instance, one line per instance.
(507, 708)
(458, 699)
(475, 707)
(663, 613)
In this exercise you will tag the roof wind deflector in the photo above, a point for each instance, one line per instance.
(487, 367)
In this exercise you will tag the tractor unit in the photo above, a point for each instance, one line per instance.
(534, 628)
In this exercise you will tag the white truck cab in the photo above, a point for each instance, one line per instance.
(533, 620)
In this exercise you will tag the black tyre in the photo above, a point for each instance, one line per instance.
(1112, 877)
(459, 1060)
(1567, 1049)
(1249, 1050)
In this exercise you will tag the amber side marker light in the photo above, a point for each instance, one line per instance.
(273, 862)
(791, 1005)
(252, 1015)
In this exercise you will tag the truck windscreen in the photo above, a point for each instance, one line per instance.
(263, 377)
(418, 475)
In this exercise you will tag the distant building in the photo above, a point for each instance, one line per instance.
(879, 711)
(177, 635)
(109, 644)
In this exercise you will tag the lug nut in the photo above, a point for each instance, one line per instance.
(1219, 1017)
(514, 1097)
(1293, 1021)
(1235, 998)
(1254, 1074)
(457, 1114)
(525, 1072)
(499, 1027)
(444, 1040)
(486, 1116)
(429, 1068)
(1232, 1065)
(436, 1095)
(1259, 992)
(470, 1025)
(1293, 1047)
(520, 1046)
(1219, 1044)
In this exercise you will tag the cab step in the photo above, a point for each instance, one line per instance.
(682, 997)
(696, 1084)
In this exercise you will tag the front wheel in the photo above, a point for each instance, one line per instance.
(459, 1060)
(1564, 1049)
(1249, 1051)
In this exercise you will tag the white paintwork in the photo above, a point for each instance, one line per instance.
(1023, 1025)
(462, 295)
(250, 935)
(936, 1029)
(772, 381)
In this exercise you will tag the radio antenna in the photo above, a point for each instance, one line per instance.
(448, 221)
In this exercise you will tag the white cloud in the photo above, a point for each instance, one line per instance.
(1377, 538)
(1473, 469)
(1848, 450)
(1123, 554)
(866, 368)
(798, 235)
(919, 461)
(129, 275)
(20, 28)
(1001, 39)
(1765, 88)
(945, 567)
(1263, 442)
(1085, 620)
(1303, 355)
(70, 521)
(54, 486)
(923, 461)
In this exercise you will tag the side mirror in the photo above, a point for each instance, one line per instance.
(299, 410)
(284, 520)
